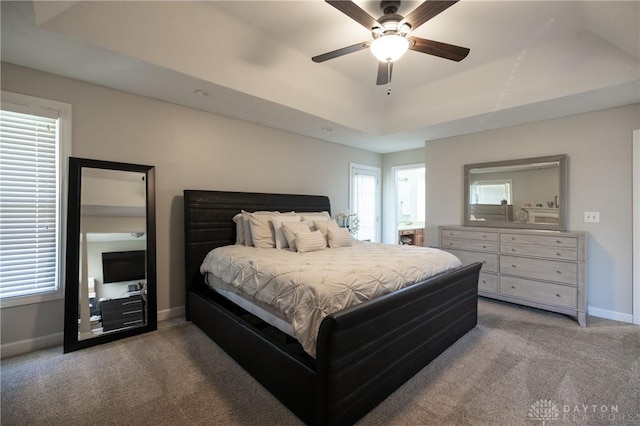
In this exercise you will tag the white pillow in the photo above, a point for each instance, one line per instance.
(324, 226)
(310, 241)
(248, 239)
(262, 233)
(323, 214)
(339, 238)
(237, 219)
(281, 241)
(315, 218)
(291, 230)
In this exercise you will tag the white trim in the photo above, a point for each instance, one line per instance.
(636, 227)
(30, 345)
(612, 315)
(171, 313)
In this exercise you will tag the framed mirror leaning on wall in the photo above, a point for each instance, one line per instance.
(110, 285)
(523, 193)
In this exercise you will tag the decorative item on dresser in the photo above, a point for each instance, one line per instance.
(542, 269)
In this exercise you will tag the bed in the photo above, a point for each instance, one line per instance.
(363, 353)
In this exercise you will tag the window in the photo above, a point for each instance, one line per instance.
(34, 146)
(364, 200)
(490, 191)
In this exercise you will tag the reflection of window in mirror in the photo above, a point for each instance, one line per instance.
(491, 191)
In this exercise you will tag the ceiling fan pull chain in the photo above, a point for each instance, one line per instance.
(389, 77)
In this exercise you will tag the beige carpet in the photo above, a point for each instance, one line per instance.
(519, 366)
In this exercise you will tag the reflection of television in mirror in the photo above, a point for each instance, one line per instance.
(123, 266)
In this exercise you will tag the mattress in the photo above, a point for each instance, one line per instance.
(303, 288)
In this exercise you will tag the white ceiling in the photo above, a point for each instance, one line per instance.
(529, 60)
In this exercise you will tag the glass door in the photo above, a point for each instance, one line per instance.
(364, 202)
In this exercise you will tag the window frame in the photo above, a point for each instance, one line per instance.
(31, 104)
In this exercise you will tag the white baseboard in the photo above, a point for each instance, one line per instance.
(171, 313)
(612, 315)
(56, 339)
(29, 345)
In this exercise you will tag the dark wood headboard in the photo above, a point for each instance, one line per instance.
(208, 221)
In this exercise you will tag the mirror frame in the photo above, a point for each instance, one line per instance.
(71, 341)
(562, 195)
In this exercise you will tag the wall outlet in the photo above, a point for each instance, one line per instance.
(592, 217)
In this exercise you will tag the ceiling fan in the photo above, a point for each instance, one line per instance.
(391, 37)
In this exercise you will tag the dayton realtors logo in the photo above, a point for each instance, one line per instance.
(544, 410)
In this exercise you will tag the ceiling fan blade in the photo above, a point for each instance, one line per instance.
(426, 11)
(436, 48)
(340, 52)
(354, 12)
(384, 73)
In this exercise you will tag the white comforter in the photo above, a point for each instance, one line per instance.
(306, 287)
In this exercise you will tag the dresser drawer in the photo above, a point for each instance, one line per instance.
(544, 240)
(469, 245)
(563, 272)
(489, 261)
(552, 294)
(470, 235)
(540, 251)
(488, 282)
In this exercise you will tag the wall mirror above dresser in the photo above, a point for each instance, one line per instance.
(524, 193)
(110, 269)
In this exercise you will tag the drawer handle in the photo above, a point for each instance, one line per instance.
(513, 266)
(484, 236)
(559, 272)
(558, 241)
(557, 295)
(558, 254)
(513, 238)
(484, 261)
(484, 282)
(513, 250)
(450, 243)
(130, 303)
(513, 287)
(484, 246)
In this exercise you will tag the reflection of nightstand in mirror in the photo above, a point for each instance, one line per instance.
(414, 237)
(122, 312)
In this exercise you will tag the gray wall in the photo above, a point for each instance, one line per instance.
(191, 149)
(599, 146)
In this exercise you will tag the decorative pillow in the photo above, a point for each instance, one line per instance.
(248, 239)
(323, 214)
(310, 241)
(237, 219)
(324, 226)
(281, 241)
(339, 238)
(291, 229)
(262, 233)
(315, 218)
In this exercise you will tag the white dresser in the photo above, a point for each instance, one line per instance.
(542, 269)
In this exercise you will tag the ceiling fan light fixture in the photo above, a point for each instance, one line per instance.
(389, 47)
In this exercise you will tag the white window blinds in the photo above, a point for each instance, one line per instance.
(29, 212)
